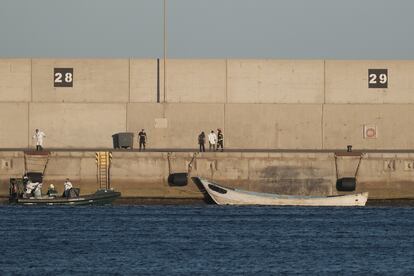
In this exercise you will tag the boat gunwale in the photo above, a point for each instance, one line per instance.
(278, 196)
(112, 195)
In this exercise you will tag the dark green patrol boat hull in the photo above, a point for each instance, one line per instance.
(100, 197)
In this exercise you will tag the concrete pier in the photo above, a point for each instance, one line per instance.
(144, 174)
(293, 115)
(258, 103)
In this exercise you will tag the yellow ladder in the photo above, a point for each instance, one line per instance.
(103, 162)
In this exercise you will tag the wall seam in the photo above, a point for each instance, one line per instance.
(322, 127)
(165, 60)
(80, 168)
(324, 81)
(28, 104)
(225, 105)
(79, 102)
(126, 117)
(158, 81)
(129, 80)
(227, 75)
(129, 95)
(323, 105)
(114, 102)
(31, 80)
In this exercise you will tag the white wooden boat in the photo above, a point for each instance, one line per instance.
(230, 196)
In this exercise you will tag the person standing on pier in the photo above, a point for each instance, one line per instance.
(38, 136)
(220, 139)
(202, 141)
(142, 136)
(212, 139)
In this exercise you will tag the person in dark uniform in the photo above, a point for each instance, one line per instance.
(220, 139)
(202, 141)
(142, 136)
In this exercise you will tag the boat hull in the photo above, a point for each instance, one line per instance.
(101, 197)
(227, 196)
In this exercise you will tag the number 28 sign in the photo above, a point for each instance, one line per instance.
(63, 77)
(377, 78)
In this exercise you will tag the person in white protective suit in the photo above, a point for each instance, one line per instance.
(67, 186)
(38, 136)
(33, 188)
(212, 140)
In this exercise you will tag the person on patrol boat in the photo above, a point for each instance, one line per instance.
(67, 187)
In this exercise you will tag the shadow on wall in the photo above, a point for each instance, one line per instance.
(294, 180)
(287, 172)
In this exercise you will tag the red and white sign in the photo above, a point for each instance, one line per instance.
(370, 132)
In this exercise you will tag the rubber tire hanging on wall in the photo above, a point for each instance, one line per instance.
(177, 179)
(346, 184)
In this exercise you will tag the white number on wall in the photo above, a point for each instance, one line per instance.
(68, 77)
(383, 78)
(58, 77)
(63, 77)
(377, 78)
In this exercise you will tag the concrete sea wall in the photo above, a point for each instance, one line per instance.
(259, 104)
(313, 106)
(144, 174)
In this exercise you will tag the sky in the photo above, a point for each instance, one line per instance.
(280, 29)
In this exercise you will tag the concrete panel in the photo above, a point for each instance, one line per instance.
(144, 174)
(226, 168)
(275, 81)
(344, 125)
(88, 169)
(94, 80)
(139, 169)
(347, 82)
(15, 78)
(61, 167)
(292, 176)
(143, 76)
(143, 116)
(186, 121)
(13, 125)
(77, 125)
(183, 122)
(13, 168)
(267, 126)
(196, 81)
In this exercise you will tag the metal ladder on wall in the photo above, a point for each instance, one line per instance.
(36, 161)
(103, 162)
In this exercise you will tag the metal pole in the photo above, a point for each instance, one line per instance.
(165, 46)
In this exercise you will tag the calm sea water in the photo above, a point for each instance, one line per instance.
(206, 240)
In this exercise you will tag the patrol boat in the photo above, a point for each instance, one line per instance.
(27, 190)
(18, 194)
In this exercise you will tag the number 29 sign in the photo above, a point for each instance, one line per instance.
(377, 78)
(63, 77)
